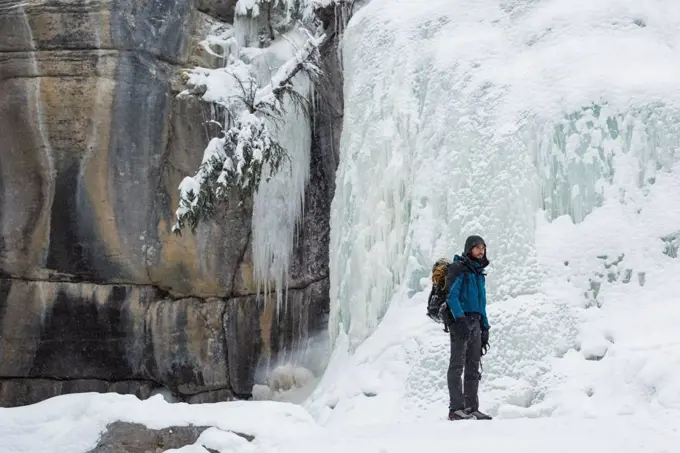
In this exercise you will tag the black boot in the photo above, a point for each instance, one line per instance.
(460, 414)
(478, 415)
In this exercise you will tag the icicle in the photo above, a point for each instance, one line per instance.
(343, 13)
(279, 203)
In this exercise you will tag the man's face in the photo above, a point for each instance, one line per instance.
(478, 251)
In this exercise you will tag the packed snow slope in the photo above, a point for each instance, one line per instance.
(552, 129)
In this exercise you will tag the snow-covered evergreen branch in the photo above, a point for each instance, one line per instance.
(305, 60)
(235, 162)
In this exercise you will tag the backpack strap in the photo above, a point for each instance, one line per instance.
(455, 269)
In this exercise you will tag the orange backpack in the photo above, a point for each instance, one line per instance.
(438, 293)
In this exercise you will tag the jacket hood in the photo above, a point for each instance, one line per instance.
(470, 243)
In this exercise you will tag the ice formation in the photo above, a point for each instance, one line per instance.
(278, 202)
(551, 128)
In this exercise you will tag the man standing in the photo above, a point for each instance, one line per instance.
(468, 328)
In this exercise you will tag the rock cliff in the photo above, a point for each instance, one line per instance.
(96, 292)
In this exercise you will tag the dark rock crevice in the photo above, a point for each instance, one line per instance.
(307, 284)
(19, 391)
(222, 10)
(80, 378)
(163, 293)
(80, 50)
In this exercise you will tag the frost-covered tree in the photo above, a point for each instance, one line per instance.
(247, 149)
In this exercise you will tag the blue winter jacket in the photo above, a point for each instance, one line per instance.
(467, 294)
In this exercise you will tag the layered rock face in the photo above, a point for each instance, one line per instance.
(96, 292)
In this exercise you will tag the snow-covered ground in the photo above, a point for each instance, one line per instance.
(71, 424)
(551, 128)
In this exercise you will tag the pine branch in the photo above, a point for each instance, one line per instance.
(236, 162)
(305, 60)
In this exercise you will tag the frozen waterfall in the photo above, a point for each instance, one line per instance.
(552, 129)
(279, 202)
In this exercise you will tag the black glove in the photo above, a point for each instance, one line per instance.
(460, 327)
(485, 341)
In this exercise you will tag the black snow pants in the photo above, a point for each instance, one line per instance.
(466, 354)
